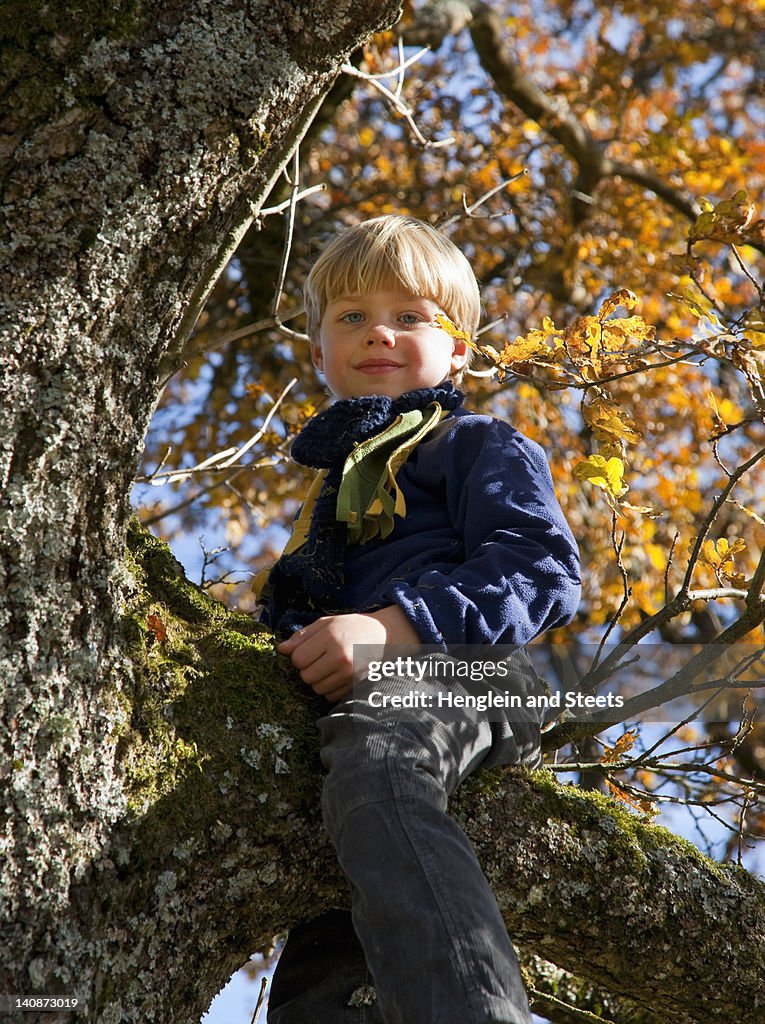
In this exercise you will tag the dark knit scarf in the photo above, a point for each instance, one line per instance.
(309, 582)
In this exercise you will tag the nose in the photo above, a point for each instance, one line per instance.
(381, 333)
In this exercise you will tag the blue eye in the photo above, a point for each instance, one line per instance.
(410, 319)
(352, 318)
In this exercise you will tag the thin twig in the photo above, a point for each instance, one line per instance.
(712, 515)
(397, 103)
(163, 460)
(658, 766)
(402, 65)
(470, 210)
(741, 826)
(261, 1000)
(644, 757)
(572, 1011)
(668, 566)
(758, 287)
(264, 426)
(242, 332)
(231, 455)
(626, 594)
(149, 521)
(494, 323)
(260, 464)
(288, 238)
(585, 385)
(321, 187)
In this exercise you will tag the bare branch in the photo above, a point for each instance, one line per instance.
(572, 1011)
(231, 455)
(710, 518)
(312, 190)
(398, 104)
(243, 332)
(470, 210)
(287, 246)
(681, 201)
(400, 67)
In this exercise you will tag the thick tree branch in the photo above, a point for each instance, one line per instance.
(559, 122)
(443, 17)
(226, 829)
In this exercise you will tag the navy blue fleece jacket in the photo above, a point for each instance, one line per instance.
(484, 554)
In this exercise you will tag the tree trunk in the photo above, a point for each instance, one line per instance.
(140, 139)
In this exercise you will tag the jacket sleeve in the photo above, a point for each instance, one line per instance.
(520, 574)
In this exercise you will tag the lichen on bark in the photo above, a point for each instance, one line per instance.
(139, 143)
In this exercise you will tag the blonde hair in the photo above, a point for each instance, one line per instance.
(394, 251)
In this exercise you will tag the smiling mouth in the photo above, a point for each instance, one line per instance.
(378, 364)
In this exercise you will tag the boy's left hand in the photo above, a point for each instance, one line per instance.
(323, 651)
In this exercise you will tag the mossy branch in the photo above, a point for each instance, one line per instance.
(222, 762)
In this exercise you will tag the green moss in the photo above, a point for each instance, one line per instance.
(41, 48)
(630, 837)
(208, 688)
(31, 27)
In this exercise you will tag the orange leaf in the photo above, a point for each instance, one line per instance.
(624, 297)
(157, 626)
(625, 742)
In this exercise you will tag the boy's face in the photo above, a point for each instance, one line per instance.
(384, 343)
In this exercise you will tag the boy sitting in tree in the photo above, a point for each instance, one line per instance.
(430, 525)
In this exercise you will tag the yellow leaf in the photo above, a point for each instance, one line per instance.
(594, 334)
(625, 742)
(719, 554)
(697, 304)
(755, 319)
(644, 510)
(604, 473)
(548, 326)
(522, 349)
(616, 332)
(451, 328)
(730, 221)
(608, 422)
(490, 352)
(646, 807)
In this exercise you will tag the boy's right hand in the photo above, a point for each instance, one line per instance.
(322, 652)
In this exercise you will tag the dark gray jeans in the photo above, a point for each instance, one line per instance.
(430, 936)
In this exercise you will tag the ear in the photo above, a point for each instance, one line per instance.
(317, 355)
(459, 355)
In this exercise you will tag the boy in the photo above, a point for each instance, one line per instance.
(426, 525)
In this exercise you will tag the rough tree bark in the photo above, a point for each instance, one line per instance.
(159, 776)
(139, 138)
